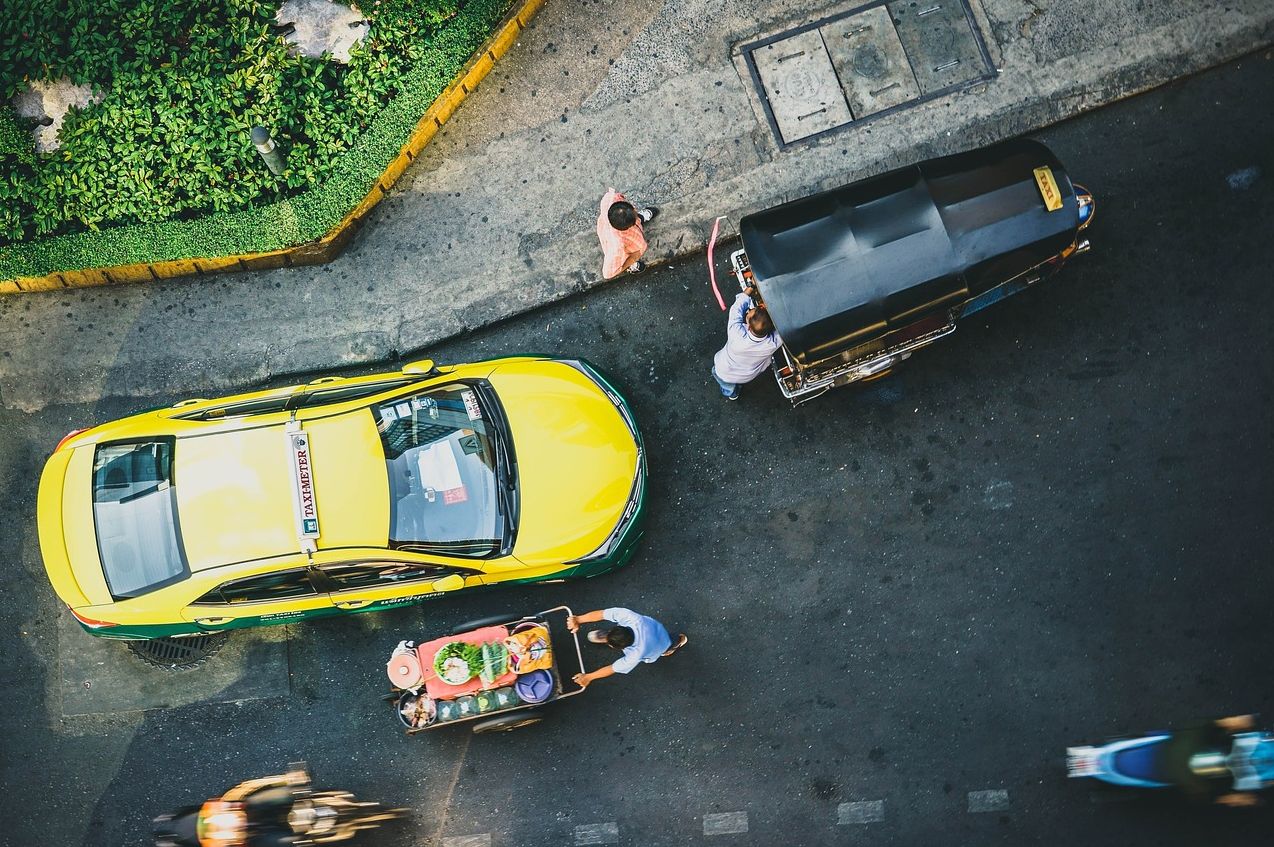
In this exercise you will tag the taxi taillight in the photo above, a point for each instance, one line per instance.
(68, 437)
(90, 622)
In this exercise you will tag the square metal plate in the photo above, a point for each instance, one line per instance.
(865, 61)
(939, 40)
(870, 61)
(801, 86)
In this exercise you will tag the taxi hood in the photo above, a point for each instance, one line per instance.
(577, 459)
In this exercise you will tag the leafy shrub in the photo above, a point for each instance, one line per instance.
(184, 83)
(300, 216)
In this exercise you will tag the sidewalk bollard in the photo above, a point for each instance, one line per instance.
(268, 149)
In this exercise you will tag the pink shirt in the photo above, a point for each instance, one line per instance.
(618, 246)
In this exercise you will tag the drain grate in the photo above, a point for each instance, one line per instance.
(868, 61)
(179, 653)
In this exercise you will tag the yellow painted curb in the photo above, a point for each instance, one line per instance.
(326, 248)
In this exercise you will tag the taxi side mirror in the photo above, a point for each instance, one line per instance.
(450, 582)
(423, 367)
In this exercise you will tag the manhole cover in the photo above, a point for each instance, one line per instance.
(941, 44)
(870, 61)
(800, 85)
(180, 653)
(864, 62)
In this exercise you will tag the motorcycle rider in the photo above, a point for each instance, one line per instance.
(1196, 757)
(252, 814)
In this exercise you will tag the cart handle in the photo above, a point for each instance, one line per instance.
(579, 654)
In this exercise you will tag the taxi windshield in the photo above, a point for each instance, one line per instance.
(445, 480)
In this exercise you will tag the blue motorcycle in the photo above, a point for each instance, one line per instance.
(1224, 761)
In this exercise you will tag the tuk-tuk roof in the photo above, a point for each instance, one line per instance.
(842, 267)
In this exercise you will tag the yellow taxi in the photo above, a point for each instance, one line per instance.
(342, 495)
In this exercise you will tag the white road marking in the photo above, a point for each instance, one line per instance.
(1242, 180)
(597, 833)
(999, 495)
(994, 800)
(861, 811)
(483, 840)
(725, 823)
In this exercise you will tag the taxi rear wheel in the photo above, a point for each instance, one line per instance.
(180, 652)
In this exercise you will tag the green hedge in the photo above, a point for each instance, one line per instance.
(303, 217)
(14, 139)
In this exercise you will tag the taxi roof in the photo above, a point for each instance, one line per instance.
(235, 499)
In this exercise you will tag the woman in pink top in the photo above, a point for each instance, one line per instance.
(622, 234)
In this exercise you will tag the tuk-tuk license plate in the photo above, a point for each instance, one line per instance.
(1048, 188)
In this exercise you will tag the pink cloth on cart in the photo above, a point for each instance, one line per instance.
(440, 690)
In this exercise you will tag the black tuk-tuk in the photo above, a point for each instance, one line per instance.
(858, 278)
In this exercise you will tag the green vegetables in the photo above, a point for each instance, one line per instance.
(495, 661)
(457, 663)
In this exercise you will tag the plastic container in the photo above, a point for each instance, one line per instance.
(506, 697)
(415, 710)
(448, 710)
(534, 687)
(404, 670)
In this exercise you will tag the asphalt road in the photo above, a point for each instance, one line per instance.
(1050, 528)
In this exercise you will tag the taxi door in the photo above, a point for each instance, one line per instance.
(376, 582)
(279, 595)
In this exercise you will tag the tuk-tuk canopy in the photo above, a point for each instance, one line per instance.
(843, 267)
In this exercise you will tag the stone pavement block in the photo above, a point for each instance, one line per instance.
(100, 675)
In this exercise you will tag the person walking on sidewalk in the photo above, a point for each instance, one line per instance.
(642, 638)
(750, 343)
(621, 230)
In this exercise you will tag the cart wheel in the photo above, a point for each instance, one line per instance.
(493, 620)
(507, 723)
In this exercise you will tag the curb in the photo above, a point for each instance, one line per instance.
(329, 246)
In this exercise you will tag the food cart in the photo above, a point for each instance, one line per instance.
(493, 674)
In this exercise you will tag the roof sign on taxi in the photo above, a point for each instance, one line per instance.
(304, 507)
(1048, 188)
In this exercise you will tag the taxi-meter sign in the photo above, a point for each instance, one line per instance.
(304, 507)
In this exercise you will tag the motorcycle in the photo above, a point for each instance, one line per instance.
(1225, 761)
(272, 811)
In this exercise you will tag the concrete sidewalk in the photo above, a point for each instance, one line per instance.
(497, 216)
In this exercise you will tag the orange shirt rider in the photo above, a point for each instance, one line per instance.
(621, 248)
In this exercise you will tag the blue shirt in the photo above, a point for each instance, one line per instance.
(744, 355)
(650, 639)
